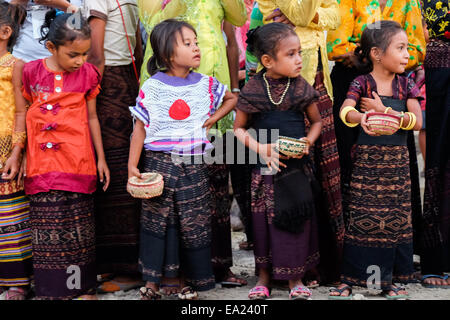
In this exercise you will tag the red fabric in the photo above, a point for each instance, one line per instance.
(61, 157)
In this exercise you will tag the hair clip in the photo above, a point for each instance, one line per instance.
(59, 12)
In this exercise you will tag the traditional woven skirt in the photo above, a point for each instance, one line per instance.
(286, 255)
(176, 226)
(222, 256)
(435, 223)
(116, 212)
(329, 210)
(15, 239)
(63, 229)
(379, 231)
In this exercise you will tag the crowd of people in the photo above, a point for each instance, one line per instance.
(95, 92)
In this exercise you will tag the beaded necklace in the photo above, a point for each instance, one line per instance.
(268, 91)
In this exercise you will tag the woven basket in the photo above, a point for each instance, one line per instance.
(382, 123)
(290, 146)
(150, 186)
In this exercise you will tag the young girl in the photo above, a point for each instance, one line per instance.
(379, 230)
(15, 235)
(175, 109)
(63, 131)
(278, 98)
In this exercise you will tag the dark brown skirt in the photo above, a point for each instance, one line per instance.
(63, 230)
(116, 212)
(176, 226)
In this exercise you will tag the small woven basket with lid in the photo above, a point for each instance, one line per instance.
(290, 146)
(382, 123)
(151, 185)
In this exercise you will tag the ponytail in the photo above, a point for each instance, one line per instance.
(50, 16)
(60, 27)
(362, 60)
(152, 66)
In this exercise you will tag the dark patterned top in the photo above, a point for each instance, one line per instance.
(437, 16)
(403, 88)
(254, 98)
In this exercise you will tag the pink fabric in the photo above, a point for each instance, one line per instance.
(165, 3)
(61, 181)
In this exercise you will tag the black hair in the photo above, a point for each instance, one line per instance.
(265, 40)
(60, 28)
(163, 40)
(375, 35)
(12, 15)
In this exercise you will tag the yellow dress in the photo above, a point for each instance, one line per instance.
(312, 37)
(206, 17)
(7, 112)
(357, 14)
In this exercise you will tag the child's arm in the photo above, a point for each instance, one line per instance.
(12, 165)
(313, 114)
(267, 151)
(413, 106)
(137, 142)
(229, 102)
(355, 116)
(94, 126)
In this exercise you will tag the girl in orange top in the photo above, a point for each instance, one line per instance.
(63, 136)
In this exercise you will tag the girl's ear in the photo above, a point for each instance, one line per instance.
(50, 47)
(267, 61)
(5, 32)
(375, 54)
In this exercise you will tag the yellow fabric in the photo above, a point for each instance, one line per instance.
(7, 108)
(356, 14)
(206, 17)
(312, 37)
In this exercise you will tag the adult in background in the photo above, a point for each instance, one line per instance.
(117, 52)
(435, 231)
(28, 47)
(311, 18)
(207, 17)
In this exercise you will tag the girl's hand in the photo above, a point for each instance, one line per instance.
(372, 104)
(134, 172)
(103, 173)
(209, 123)
(271, 156)
(12, 166)
(365, 126)
(306, 151)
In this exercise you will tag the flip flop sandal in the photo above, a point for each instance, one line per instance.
(300, 293)
(187, 293)
(15, 292)
(340, 291)
(312, 286)
(396, 291)
(115, 286)
(228, 283)
(149, 294)
(162, 291)
(435, 286)
(255, 293)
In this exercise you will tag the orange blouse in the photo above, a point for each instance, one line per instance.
(60, 153)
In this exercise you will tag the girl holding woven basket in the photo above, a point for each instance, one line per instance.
(379, 230)
(175, 109)
(282, 201)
